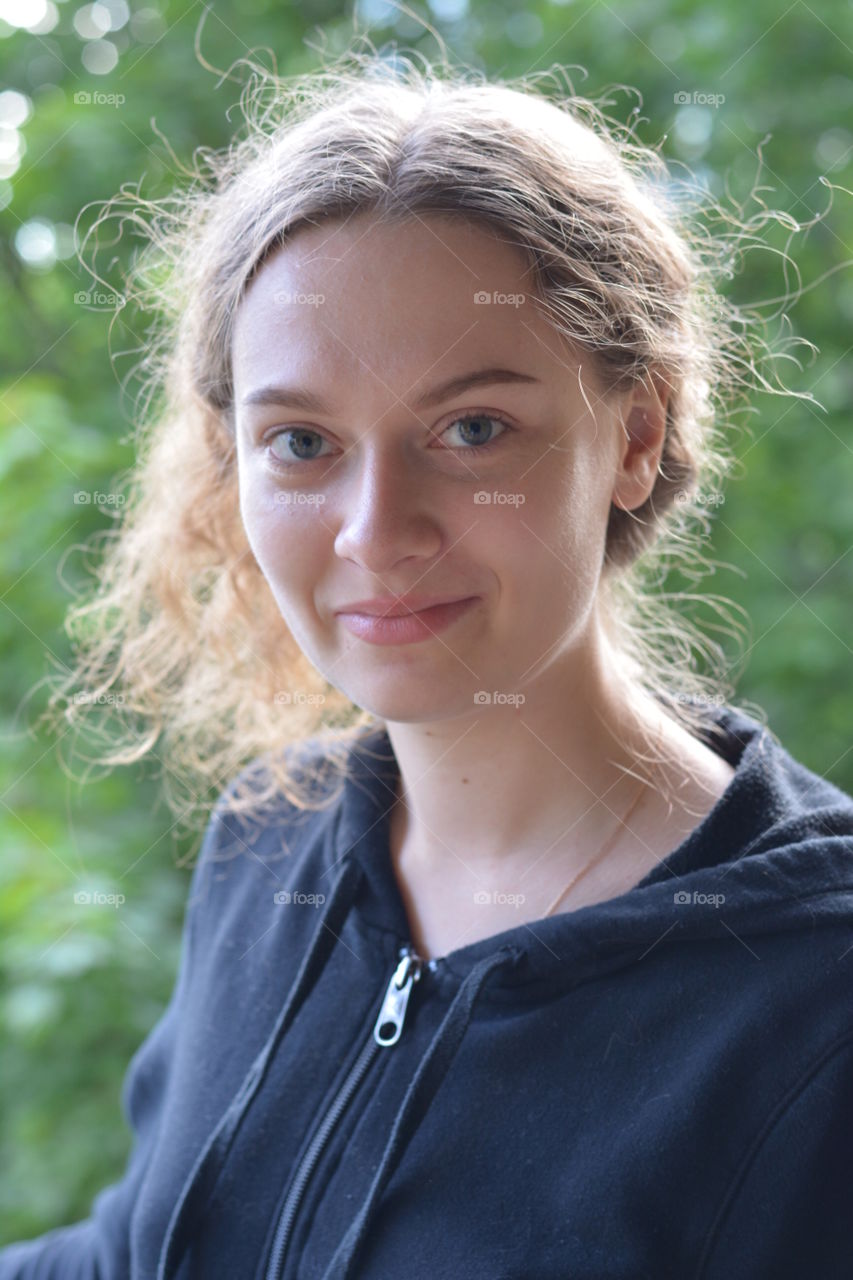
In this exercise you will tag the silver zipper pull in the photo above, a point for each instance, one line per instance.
(389, 1024)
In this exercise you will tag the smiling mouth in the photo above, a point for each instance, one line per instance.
(397, 607)
(410, 627)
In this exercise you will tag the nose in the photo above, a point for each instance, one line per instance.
(386, 510)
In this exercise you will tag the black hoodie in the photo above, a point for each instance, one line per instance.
(655, 1086)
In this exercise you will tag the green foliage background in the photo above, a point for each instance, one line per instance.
(80, 989)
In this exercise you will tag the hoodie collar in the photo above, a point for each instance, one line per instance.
(775, 843)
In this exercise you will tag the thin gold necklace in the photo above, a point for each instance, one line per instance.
(605, 848)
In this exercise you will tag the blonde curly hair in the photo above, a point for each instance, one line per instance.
(181, 625)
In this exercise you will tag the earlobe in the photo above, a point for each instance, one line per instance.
(641, 446)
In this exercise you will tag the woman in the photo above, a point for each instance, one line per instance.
(528, 954)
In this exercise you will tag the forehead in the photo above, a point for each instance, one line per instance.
(396, 297)
(340, 253)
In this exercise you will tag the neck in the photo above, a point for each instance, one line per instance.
(490, 788)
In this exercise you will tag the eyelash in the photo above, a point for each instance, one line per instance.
(464, 417)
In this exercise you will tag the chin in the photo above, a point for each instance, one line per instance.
(413, 705)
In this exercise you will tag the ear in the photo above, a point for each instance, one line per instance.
(643, 430)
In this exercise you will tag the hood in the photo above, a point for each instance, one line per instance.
(774, 854)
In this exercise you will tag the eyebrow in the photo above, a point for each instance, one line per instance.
(309, 402)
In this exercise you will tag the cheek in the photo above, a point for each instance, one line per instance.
(286, 536)
(545, 548)
(259, 516)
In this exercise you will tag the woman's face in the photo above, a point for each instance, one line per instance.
(384, 485)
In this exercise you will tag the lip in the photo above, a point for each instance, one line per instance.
(397, 606)
(405, 628)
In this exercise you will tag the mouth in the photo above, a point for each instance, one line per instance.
(409, 627)
(397, 606)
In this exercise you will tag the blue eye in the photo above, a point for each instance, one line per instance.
(477, 445)
(301, 437)
(300, 434)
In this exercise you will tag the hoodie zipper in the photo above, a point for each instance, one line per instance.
(386, 1032)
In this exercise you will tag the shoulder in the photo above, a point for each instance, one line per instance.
(791, 1195)
(254, 838)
